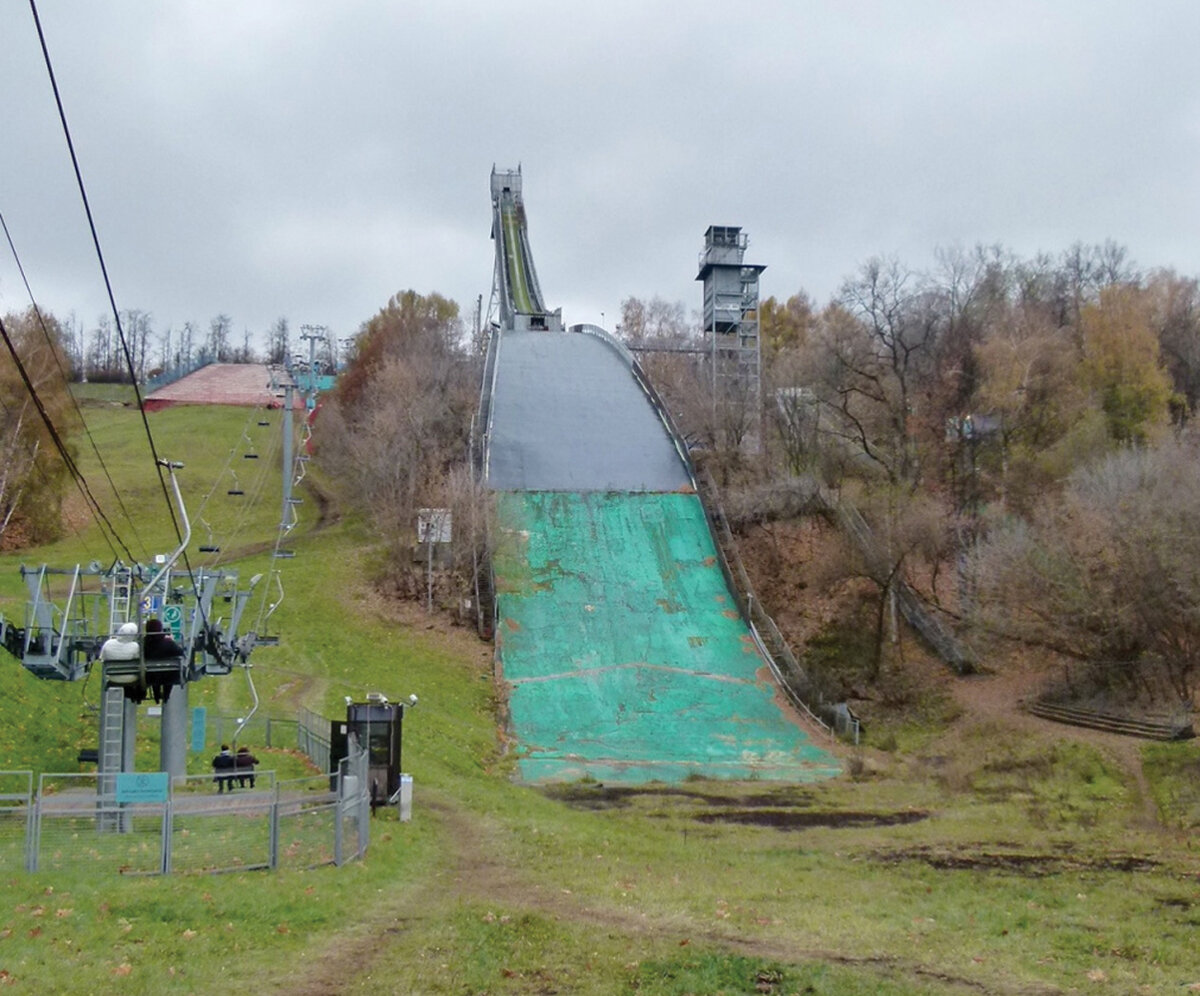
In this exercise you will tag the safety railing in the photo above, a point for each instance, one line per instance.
(656, 401)
(77, 823)
(804, 694)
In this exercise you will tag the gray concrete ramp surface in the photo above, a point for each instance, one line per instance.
(568, 415)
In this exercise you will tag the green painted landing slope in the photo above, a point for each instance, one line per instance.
(624, 652)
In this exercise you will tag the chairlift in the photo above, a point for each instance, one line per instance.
(237, 486)
(210, 546)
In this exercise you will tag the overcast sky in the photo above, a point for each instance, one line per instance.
(309, 158)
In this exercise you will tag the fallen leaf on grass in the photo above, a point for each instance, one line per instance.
(123, 969)
(1096, 975)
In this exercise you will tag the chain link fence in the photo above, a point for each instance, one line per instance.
(77, 822)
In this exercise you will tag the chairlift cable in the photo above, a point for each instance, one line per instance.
(228, 464)
(253, 495)
(103, 267)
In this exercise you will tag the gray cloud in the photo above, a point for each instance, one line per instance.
(310, 159)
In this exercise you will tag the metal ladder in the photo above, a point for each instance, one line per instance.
(119, 598)
(112, 736)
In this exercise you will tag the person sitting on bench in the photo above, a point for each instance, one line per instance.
(244, 762)
(223, 768)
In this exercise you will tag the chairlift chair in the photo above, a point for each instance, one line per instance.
(210, 546)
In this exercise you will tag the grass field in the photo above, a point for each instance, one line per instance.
(976, 857)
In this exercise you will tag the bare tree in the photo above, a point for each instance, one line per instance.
(1108, 574)
(279, 348)
(218, 337)
(658, 321)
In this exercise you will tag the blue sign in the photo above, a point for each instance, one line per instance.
(142, 786)
(199, 728)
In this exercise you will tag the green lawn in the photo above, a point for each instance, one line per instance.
(971, 860)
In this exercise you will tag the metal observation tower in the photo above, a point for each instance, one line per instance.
(731, 326)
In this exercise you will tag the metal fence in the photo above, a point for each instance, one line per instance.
(312, 737)
(262, 731)
(76, 822)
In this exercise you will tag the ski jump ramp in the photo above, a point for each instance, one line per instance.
(621, 649)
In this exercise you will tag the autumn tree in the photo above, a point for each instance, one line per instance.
(786, 325)
(32, 474)
(1174, 311)
(1121, 363)
(395, 433)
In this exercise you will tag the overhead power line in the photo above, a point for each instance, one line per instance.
(62, 115)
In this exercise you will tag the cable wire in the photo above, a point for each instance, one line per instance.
(62, 114)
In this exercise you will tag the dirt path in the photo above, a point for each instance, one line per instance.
(998, 698)
(477, 874)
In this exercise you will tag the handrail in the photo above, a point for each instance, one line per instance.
(656, 401)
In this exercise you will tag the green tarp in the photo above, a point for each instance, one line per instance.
(625, 657)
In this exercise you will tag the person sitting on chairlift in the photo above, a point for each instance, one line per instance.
(159, 644)
(123, 646)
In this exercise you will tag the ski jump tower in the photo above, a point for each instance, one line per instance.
(730, 322)
(516, 294)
